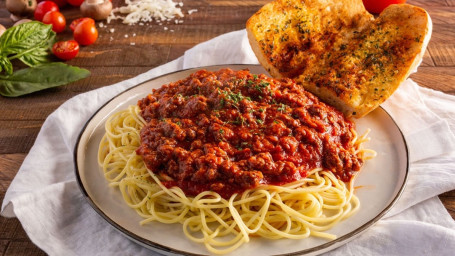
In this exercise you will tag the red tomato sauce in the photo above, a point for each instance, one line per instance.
(228, 131)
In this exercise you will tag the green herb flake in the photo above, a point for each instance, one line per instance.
(282, 107)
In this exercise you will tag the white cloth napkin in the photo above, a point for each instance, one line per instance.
(45, 197)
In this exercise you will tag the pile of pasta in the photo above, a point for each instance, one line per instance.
(297, 210)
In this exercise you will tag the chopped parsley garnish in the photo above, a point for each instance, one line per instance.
(243, 145)
(239, 121)
(282, 107)
(234, 97)
(262, 85)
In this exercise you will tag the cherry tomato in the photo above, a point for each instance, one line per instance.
(60, 3)
(57, 20)
(76, 22)
(65, 50)
(75, 2)
(44, 7)
(376, 6)
(85, 33)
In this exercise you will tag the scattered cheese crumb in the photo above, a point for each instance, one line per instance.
(134, 34)
(126, 36)
(101, 24)
(192, 11)
(132, 43)
(112, 30)
(165, 28)
(146, 11)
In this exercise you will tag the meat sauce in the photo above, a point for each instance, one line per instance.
(228, 131)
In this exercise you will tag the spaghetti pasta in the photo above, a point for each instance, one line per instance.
(296, 210)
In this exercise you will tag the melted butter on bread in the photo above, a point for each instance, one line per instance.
(338, 51)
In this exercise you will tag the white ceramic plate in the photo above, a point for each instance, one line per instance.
(379, 184)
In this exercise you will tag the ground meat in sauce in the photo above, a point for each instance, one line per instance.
(228, 131)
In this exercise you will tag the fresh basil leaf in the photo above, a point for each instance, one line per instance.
(40, 77)
(27, 42)
(25, 36)
(37, 57)
(6, 65)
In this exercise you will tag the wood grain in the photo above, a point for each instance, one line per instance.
(128, 51)
(442, 54)
(438, 78)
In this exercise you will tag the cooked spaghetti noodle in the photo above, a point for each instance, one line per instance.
(299, 209)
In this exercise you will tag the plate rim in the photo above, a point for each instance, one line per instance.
(163, 248)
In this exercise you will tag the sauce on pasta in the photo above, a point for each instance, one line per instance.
(228, 131)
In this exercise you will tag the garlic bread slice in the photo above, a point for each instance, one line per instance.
(338, 51)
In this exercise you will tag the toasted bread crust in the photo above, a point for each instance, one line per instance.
(338, 51)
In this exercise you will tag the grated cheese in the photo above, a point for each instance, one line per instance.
(146, 11)
(192, 11)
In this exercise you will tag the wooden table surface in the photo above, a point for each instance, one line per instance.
(132, 50)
